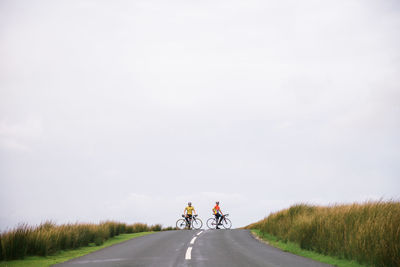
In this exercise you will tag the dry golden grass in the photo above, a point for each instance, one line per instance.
(367, 232)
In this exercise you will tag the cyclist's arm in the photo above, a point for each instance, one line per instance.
(194, 212)
(184, 212)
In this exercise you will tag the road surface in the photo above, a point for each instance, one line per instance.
(193, 248)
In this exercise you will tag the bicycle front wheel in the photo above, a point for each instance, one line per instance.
(181, 224)
(211, 223)
(197, 223)
(226, 223)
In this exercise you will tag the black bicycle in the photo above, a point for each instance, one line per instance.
(225, 222)
(194, 223)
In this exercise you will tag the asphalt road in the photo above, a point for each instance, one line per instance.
(193, 248)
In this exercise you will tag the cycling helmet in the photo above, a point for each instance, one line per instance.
(190, 203)
(217, 202)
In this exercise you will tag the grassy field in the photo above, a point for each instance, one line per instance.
(62, 256)
(295, 249)
(49, 238)
(368, 233)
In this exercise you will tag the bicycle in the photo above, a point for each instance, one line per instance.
(194, 223)
(226, 223)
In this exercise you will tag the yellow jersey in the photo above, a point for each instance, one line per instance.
(189, 210)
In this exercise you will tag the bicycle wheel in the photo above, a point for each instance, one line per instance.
(197, 223)
(226, 223)
(181, 224)
(211, 223)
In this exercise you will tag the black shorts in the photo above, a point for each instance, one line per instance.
(189, 215)
(218, 215)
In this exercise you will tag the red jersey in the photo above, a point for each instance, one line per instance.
(216, 209)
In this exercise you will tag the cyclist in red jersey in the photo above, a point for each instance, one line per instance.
(217, 213)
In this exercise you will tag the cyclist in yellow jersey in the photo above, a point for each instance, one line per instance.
(189, 211)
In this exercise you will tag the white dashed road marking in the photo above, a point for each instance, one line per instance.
(188, 253)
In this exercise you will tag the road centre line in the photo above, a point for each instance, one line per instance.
(188, 255)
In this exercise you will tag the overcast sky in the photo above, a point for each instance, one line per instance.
(127, 110)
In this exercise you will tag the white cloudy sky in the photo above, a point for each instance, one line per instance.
(126, 110)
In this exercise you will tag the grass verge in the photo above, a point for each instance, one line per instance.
(365, 232)
(295, 249)
(65, 255)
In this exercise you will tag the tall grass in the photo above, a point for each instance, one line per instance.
(48, 238)
(367, 232)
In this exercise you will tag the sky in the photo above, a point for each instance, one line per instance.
(126, 110)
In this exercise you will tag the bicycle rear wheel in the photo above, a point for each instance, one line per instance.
(181, 224)
(197, 223)
(226, 223)
(211, 223)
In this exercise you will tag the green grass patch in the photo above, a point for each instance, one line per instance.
(65, 255)
(295, 249)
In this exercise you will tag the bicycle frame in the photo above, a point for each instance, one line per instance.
(193, 222)
(190, 219)
(223, 217)
(213, 222)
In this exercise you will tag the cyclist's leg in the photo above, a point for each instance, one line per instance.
(190, 220)
(217, 216)
(220, 219)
